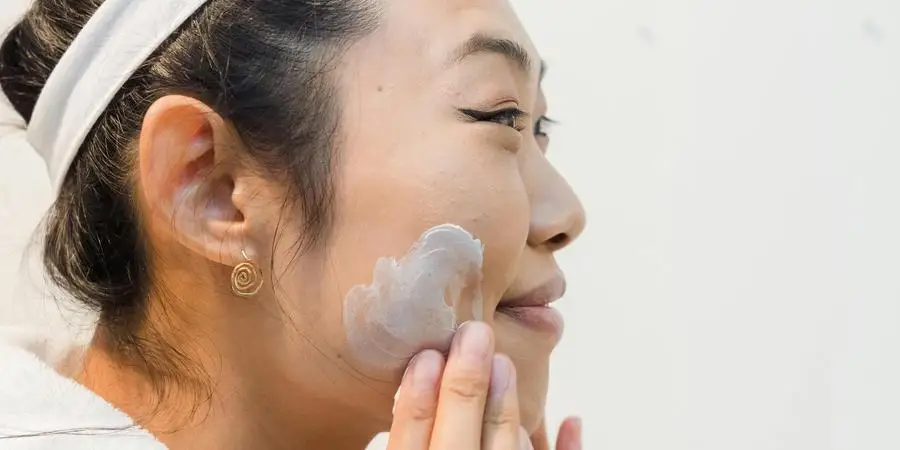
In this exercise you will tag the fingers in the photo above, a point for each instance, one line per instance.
(569, 437)
(464, 388)
(539, 439)
(524, 440)
(470, 402)
(414, 412)
(502, 430)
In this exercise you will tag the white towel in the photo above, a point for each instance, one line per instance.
(40, 409)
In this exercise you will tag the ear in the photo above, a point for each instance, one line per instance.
(187, 168)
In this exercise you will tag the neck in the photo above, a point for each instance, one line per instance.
(229, 411)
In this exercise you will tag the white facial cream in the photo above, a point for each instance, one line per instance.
(414, 304)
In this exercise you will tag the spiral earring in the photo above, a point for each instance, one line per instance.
(246, 278)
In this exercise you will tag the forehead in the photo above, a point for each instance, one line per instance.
(433, 31)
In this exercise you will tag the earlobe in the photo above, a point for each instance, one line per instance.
(186, 178)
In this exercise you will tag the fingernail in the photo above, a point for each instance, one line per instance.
(472, 342)
(502, 379)
(427, 371)
(409, 365)
(421, 374)
(578, 434)
(403, 381)
(570, 434)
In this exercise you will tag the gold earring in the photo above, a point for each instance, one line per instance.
(246, 278)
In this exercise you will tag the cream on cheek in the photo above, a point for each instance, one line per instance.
(415, 303)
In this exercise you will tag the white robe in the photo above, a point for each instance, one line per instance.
(44, 410)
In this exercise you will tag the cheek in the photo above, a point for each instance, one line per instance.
(385, 200)
(415, 302)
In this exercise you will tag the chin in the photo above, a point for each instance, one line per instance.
(530, 352)
(532, 378)
(531, 406)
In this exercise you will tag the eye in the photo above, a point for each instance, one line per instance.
(511, 117)
(542, 126)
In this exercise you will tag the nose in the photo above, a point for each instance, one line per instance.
(557, 215)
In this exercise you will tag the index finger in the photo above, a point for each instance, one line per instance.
(464, 388)
(416, 405)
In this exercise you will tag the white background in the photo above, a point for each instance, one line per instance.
(738, 286)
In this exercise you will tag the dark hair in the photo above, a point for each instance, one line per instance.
(263, 65)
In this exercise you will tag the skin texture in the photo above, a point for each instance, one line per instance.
(281, 370)
(467, 401)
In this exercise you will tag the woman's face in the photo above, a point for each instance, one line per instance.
(409, 159)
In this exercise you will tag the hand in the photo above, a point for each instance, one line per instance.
(568, 438)
(469, 403)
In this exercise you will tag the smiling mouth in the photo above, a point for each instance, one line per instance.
(532, 309)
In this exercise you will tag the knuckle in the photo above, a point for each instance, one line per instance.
(467, 384)
(502, 416)
(421, 407)
(421, 412)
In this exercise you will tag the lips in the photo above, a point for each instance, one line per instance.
(543, 295)
(532, 310)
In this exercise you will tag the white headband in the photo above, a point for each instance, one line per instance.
(113, 44)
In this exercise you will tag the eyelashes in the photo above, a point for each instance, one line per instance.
(543, 125)
(513, 118)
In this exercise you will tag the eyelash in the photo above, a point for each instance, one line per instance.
(540, 127)
(510, 117)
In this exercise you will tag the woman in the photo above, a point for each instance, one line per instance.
(242, 177)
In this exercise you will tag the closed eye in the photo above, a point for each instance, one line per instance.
(514, 118)
(543, 125)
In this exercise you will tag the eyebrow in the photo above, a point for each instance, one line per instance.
(483, 43)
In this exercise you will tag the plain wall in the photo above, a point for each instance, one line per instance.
(738, 286)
